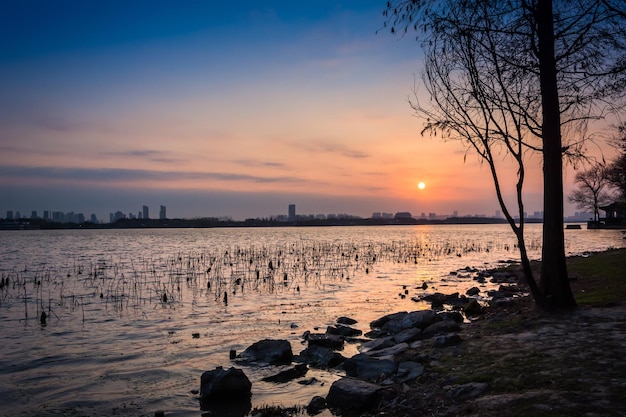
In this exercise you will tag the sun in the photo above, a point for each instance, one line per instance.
(421, 185)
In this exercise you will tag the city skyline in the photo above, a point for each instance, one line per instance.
(226, 110)
(291, 215)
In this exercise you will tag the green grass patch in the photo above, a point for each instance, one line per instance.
(600, 278)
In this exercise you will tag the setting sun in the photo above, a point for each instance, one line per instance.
(421, 185)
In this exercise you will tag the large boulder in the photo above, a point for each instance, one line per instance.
(379, 323)
(353, 394)
(223, 388)
(365, 367)
(272, 352)
(420, 319)
(398, 322)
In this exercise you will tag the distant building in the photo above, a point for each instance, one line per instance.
(9, 214)
(292, 212)
(93, 218)
(162, 213)
(33, 214)
(403, 215)
(145, 212)
(46, 215)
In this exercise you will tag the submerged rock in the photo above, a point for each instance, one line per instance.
(224, 387)
(321, 357)
(297, 371)
(272, 352)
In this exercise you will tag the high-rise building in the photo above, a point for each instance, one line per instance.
(9, 214)
(33, 214)
(46, 215)
(162, 213)
(145, 212)
(292, 212)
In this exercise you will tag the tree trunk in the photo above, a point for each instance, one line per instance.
(554, 280)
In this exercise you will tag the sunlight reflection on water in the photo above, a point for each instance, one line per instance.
(112, 342)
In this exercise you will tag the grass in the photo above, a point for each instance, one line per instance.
(599, 279)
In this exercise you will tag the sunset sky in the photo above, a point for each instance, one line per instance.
(222, 109)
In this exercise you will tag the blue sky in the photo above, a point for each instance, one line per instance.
(220, 109)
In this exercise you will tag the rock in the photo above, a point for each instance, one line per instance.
(376, 333)
(465, 392)
(451, 315)
(446, 340)
(445, 326)
(325, 340)
(509, 289)
(343, 330)
(378, 323)
(502, 277)
(408, 371)
(420, 319)
(321, 357)
(408, 335)
(273, 352)
(390, 351)
(364, 367)
(353, 394)
(377, 344)
(297, 371)
(473, 291)
(224, 386)
(346, 320)
(309, 381)
(316, 406)
(473, 308)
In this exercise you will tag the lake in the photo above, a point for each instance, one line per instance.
(135, 316)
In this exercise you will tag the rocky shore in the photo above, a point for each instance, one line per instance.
(505, 358)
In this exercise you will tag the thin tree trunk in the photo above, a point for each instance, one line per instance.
(554, 280)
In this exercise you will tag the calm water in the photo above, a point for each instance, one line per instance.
(113, 346)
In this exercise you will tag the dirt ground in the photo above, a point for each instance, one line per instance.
(519, 361)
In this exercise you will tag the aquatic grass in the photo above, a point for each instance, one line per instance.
(133, 286)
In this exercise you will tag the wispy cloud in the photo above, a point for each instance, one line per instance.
(105, 175)
(253, 163)
(146, 155)
(332, 148)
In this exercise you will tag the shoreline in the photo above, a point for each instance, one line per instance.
(515, 359)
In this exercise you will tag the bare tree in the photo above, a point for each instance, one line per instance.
(617, 168)
(512, 77)
(592, 189)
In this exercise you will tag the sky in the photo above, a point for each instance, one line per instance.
(223, 109)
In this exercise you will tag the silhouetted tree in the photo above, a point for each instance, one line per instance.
(592, 189)
(617, 169)
(510, 77)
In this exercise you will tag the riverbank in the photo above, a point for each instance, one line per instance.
(516, 360)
